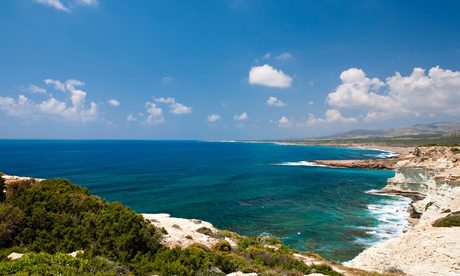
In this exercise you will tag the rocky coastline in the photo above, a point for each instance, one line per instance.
(375, 164)
(431, 177)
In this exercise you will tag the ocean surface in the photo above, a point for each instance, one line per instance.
(248, 188)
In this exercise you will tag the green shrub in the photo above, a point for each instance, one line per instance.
(428, 205)
(453, 219)
(199, 246)
(222, 246)
(2, 188)
(59, 216)
(60, 264)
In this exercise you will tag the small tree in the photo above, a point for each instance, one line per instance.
(2, 188)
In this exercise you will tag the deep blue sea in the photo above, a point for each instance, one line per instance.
(248, 188)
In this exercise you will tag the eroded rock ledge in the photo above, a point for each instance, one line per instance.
(431, 177)
(382, 164)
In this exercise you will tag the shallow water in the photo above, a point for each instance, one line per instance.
(249, 188)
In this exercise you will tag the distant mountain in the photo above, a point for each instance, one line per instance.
(420, 129)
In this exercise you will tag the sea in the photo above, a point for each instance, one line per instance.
(264, 189)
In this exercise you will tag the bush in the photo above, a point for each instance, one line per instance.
(2, 188)
(222, 246)
(60, 264)
(453, 219)
(428, 205)
(59, 216)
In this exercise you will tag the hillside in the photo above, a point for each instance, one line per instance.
(45, 219)
(416, 130)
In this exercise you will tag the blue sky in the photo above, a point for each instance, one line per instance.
(110, 69)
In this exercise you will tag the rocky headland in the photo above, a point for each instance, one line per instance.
(431, 177)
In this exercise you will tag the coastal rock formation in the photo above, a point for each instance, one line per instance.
(381, 164)
(14, 178)
(431, 175)
(185, 232)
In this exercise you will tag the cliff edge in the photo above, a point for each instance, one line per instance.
(431, 177)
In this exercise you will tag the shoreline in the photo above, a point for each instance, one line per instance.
(431, 178)
(409, 248)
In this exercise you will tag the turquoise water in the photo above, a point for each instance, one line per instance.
(249, 188)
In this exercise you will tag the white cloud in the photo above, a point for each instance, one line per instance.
(53, 107)
(86, 2)
(131, 118)
(311, 102)
(167, 80)
(331, 116)
(176, 108)
(213, 117)
(113, 102)
(59, 5)
(414, 95)
(241, 117)
(57, 84)
(22, 107)
(284, 56)
(268, 76)
(165, 100)
(155, 114)
(35, 89)
(285, 122)
(273, 101)
(267, 56)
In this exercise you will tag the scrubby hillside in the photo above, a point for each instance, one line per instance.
(49, 218)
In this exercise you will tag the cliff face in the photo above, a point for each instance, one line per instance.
(432, 173)
(430, 176)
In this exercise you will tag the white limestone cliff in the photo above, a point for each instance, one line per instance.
(433, 174)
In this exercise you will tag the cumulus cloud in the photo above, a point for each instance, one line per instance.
(59, 5)
(241, 117)
(284, 57)
(273, 101)
(113, 102)
(35, 89)
(331, 116)
(285, 122)
(56, 84)
(131, 118)
(437, 92)
(52, 107)
(266, 75)
(175, 107)
(155, 114)
(22, 107)
(213, 117)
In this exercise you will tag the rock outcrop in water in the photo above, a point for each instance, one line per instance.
(431, 177)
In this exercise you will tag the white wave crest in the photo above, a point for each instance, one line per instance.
(300, 163)
(392, 216)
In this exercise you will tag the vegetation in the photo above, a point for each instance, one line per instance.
(48, 219)
(453, 219)
(2, 189)
(450, 139)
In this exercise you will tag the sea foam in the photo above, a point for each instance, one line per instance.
(300, 163)
(391, 214)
